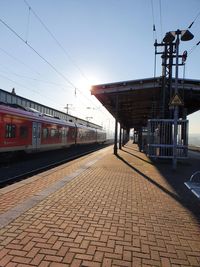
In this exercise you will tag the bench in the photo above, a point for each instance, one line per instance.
(194, 184)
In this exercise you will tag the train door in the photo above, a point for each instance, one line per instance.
(64, 135)
(36, 135)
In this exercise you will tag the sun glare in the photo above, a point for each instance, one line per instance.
(85, 84)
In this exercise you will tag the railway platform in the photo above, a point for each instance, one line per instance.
(103, 210)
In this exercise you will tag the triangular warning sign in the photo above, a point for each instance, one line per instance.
(176, 101)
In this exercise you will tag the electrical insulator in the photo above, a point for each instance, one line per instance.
(184, 57)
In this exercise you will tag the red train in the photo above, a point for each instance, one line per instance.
(31, 131)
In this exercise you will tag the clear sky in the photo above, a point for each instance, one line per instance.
(97, 41)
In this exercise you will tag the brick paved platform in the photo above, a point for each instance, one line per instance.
(102, 210)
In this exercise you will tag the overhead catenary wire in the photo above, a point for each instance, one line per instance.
(183, 88)
(35, 91)
(21, 85)
(28, 22)
(19, 61)
(33, 79)
(27, 77)
(153, 17)
(192, 23)
(55, 39)
(189, 27)
(155, 41)
(45, 60)
(160, 11)
(62, 48)
(154, 36)
(51, 65)
(28, 88)
(193, 48)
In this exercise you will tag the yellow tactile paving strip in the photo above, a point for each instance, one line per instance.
(117, 212)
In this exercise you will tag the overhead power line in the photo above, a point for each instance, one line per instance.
(55, 39)
(19, 60)
(190, 26)
(47, 62)
(160, 20)
(153, 17)
(33, 90)
(161, 26)
(193, 48)
(27, 29)
(21, 85)
(32, 78)
(43, 58)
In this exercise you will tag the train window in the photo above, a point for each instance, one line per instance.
(64, 132)
(80, 135)
(23, 131)
(73, 133)
(59, 132)
(45, 132)
(10, 131)
(54, 132)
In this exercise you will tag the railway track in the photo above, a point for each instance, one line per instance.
(15, 172)
(36, 163)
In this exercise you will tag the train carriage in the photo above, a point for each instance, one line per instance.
(86, 134)
(101, 136)
(32, 131)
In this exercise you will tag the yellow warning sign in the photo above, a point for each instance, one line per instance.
(176, 101)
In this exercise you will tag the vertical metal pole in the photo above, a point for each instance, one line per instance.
(164, 68)
(116, 125)
(123, 137)
(140, 139)
(176, 107)
(120, 137)
(128, 135)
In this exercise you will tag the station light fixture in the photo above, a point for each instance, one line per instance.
(186, 35)
(169, 37)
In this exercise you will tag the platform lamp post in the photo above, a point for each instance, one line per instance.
(186, 35)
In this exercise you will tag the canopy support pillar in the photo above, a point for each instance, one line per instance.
(116, 124)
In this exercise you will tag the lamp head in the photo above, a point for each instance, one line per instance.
(186, 35)
(169, 37)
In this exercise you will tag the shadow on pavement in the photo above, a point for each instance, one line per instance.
(175, 179)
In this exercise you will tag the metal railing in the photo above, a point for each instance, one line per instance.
(160, 138)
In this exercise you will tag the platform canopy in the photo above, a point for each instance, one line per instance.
(134, 102)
